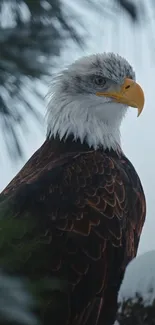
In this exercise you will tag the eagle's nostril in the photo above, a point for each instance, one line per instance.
(127, 87)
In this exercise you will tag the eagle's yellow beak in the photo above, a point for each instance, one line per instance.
(130, 94)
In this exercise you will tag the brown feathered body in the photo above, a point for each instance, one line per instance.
(89, 208)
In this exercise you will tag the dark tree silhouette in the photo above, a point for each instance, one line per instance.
(136, 312)
(137, 294)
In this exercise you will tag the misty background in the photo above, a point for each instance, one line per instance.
(38, 38)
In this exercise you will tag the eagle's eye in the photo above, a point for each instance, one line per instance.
(99, 81)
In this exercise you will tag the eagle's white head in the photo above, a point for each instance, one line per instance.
(90, 98)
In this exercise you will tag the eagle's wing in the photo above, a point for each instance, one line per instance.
(82, 216)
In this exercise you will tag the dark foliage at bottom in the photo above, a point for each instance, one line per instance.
(136, 312)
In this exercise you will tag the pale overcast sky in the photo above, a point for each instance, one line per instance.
(138, 134)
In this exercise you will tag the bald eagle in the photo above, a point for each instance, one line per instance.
(75, 211)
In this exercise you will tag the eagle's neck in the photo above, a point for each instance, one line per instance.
(69, 145)
(81, 120)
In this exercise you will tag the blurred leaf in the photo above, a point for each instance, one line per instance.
(16, 303)
(130, 7)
